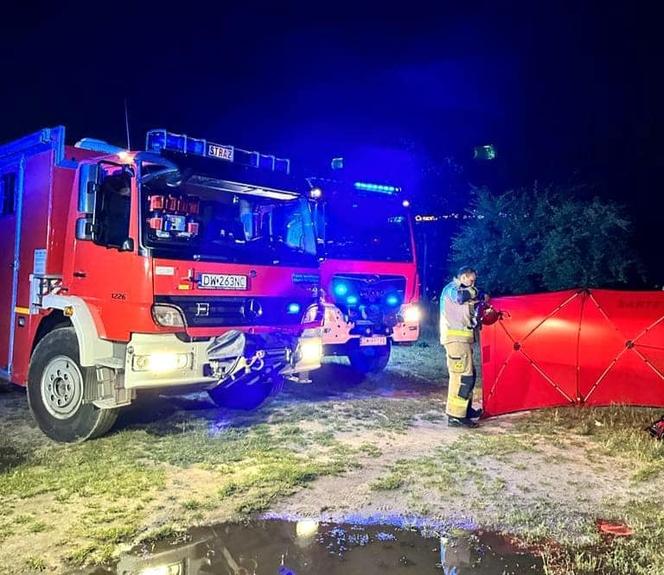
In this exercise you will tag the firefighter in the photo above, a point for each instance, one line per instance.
(459, 302)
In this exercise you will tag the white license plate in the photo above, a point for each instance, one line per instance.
(375, 340)
(223, 281)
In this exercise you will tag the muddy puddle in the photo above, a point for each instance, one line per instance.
(307, 547)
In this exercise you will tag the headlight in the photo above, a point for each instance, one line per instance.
(311, 350)
(167, 316)
(411, 313)
(161, 362)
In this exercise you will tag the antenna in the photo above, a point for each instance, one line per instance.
(126, 110)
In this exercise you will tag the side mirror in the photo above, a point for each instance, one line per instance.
(88, 179)
(127, 245)
(84, 228)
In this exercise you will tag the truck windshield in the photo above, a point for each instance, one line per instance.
(203, 218)
(365, 228)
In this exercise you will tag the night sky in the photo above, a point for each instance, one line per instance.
(568, 92)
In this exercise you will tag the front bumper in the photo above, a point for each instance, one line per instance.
(406, 332)
(163, 360)
(338, 331)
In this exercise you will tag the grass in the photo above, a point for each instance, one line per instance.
(390, 482)
(110, 467)
(112, 486)
(609, 436)
(370, 413)
(36, 564)
(170, 532)
(454, 467)
(370, 449)
(132, 486)
(192, 505)
(90, 554)
(640, 554)
(616, 431)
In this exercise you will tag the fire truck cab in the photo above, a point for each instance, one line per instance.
(368, 270)
(187, 264)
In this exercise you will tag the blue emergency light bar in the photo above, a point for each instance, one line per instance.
(366, 187)
(158, 140)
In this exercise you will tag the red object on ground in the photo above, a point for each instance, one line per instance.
(594, 347)
(657, 429)
(614, 528)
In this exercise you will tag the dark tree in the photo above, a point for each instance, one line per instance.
(534, 239)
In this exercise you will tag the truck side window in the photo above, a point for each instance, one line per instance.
(114, 210)
(7, 194)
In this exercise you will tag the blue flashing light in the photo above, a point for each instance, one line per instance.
(341, 289)
(196, 147)
(282, 165)
(266, 162)
(352, 300)
(160, 140)
(294, 307)
(176, 142)
(405, 204)
(392, 300)
(380, 188)
(155, 140)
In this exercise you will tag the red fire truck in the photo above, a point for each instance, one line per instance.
(368, 270)
(189, 263)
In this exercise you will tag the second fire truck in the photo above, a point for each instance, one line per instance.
(368, 270)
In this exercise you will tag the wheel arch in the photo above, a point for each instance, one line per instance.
(50, 322)
(76, 312)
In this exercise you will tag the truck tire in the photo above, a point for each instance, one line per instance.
(56, 383)
(244, 394)
(370, 359)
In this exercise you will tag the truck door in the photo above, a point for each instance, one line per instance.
(9, 203)
(107, 271)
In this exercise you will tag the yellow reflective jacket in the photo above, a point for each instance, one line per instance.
(457, 313)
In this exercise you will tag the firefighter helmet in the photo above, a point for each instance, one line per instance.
(488, 315)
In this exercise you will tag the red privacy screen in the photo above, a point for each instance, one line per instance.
(594, 347)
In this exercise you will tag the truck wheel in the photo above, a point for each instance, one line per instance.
(370, 359)
(244, 394)
(56, 384)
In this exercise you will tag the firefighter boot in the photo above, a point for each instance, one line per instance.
(474, 413)
(461, 422)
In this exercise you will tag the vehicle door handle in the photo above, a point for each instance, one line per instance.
(80, 274)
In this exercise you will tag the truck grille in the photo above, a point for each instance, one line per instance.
(372, 293)
(223, 311)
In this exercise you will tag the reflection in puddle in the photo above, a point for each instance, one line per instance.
(308, 547)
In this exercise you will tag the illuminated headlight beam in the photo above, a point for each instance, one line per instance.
(311, 350)
(411, 314)
(161, 362)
